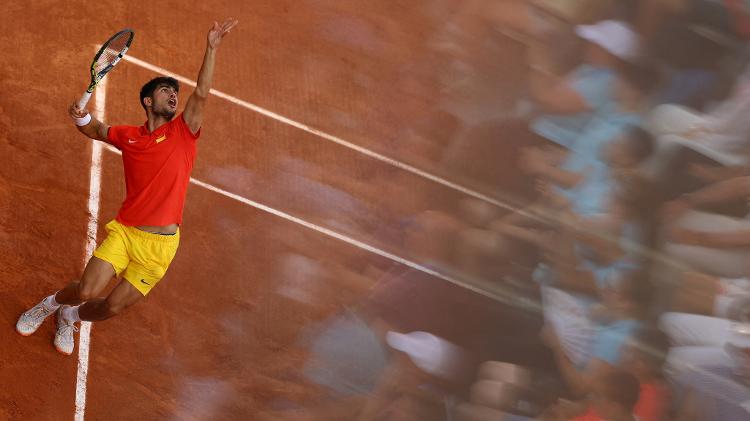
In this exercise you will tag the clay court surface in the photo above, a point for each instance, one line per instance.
(216, 339)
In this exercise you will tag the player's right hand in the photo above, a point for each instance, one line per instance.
(76, 112)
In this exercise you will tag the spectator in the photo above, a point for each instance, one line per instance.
(613, 398)
(722, 135)
(501, 386)
(610, 143)
(624, 301)
(707, 242)
(711, 362)
(568, 104)
(699, 341)
(711, 295)
(589, 195)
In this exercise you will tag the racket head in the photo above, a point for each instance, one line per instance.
(109, 55)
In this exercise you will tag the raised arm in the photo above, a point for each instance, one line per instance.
(87, 124)
(194, 108)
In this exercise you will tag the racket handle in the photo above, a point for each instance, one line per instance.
(84, 100)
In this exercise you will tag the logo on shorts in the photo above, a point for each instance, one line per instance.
(144, 281)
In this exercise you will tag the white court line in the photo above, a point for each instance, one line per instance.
(329, 137)
(95, 181)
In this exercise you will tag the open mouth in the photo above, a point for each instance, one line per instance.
(172, 103)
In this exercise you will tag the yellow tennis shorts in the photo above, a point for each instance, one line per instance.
(142, 258)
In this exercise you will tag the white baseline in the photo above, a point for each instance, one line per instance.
(95, 182)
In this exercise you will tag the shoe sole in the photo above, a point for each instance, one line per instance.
(25, 334)
(63, 352)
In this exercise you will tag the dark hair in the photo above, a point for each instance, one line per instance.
(621, 387)
(148, 89)
(652, 346)
(640, 75)
(640, 143)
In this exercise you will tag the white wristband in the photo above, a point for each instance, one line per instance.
(83, 120)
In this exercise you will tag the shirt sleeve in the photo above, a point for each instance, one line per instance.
(186, 129)
(116, 135)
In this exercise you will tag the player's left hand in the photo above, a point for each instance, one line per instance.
(76, 112)
(217, 31)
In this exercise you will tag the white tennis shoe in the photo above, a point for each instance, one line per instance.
(64, 337)
(30, 321)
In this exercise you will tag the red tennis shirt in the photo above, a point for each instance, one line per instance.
(157, 171)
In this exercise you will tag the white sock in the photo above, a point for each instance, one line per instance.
(50, 302)
(70, 314)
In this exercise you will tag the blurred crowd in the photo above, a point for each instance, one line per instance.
(632, 235)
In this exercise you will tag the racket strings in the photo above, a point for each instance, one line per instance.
(111, 52)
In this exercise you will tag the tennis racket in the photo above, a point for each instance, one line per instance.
(106, 59)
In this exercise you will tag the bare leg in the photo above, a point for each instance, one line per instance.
(95, 278)
(123, 296)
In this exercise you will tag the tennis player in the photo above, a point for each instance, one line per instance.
(142, 240)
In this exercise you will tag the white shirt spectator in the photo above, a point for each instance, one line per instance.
(722, 134)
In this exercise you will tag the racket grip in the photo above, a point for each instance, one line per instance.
(84, 100)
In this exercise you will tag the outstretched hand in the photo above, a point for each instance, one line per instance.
(217, 31)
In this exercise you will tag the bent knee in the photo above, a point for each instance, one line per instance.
(86, 293)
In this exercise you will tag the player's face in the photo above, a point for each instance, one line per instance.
(165, 101)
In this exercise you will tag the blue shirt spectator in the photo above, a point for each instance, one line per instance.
(594, 85)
